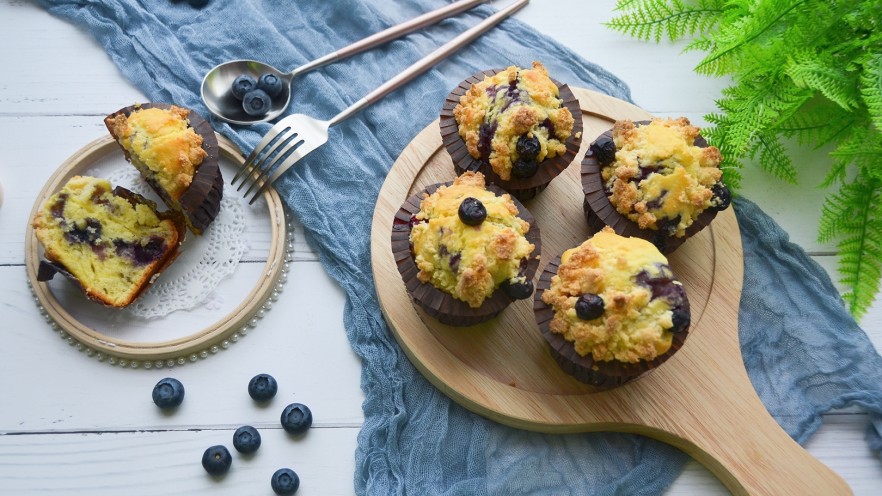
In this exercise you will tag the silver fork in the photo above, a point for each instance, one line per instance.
(295, 136)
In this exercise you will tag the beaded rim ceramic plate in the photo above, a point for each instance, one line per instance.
(130, 342)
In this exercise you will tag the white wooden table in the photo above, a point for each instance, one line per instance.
(72, 425)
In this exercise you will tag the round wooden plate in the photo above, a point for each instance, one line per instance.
(107, 333)
(700, 400)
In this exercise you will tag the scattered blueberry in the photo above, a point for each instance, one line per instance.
(296, 418)
(262, 387)
(217, 460)
(528, 148)
(242, 85)
(246, 439)
(256, 103)
(604, 149)
(472, 212)
(285, 481)
(524, 168)
(519, 290)
(589, 306)
(198, 4)
(681, 320)
(270, 83)
(722, 196)
(168, 393)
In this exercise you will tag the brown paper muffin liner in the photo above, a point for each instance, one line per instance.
(439, 304)
(599, 212)
(200, 203)
(601, 374)
(522, 189)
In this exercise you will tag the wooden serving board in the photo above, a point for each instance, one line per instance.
(700, 400)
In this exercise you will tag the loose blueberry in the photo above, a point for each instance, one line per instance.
(681, 320)
(604, 149)
(262, 387)
(524, 168)
(168, 393)
(198, 4)
(722, 196)
(256, 103)
(472, 212)
(285, 481)
(528, 148)
(589, 306)
(296, 418)
(217, 460)
(246, 439)
(519, 290)
(270, 83)
(242, 85)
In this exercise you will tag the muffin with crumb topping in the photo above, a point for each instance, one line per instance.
(465, 250)
(611, 309)
(658, 180)
(517, 126)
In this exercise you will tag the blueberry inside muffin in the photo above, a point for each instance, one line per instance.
(656, 176)
(616, 299)
(468, 241)
(514, 120)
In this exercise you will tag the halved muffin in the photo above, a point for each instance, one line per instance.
(611, 309)
(113, 243)
(465, 250)
(177, 153)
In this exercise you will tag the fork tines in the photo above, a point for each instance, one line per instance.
(267, 155)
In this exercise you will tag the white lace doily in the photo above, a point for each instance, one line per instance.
(204, 260)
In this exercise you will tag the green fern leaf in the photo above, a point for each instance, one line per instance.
(773, 158)
(871, 88)
(652, 19)
(821, 73)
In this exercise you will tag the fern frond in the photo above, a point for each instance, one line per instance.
(817, 123)
(652, 19)
(773, 158)
(863, 148)
(820, 72)
(871, 88)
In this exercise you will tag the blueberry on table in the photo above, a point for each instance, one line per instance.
(528, 148)
(217, 460)
(242, 85)
(246, 439)
(472, 212)
(262, 387)
(198, 4)
(270, 83)
(589, 306)
(518, 290)
(524, 168)
(168, 393)
(296, 418)
(604, 149)
(285, 481)
(256, 103)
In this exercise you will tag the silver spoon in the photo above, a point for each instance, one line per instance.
(216, 86)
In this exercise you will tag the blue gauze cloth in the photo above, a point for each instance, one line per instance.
(804, 353)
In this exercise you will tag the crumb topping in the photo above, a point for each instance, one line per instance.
(469, 262)
(639, 296)
(495, 113)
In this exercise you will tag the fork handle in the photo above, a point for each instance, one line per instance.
(428, 61)
(389, 34)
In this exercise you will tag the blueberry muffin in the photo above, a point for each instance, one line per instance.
(465, 251)
(611, 309)
(113, 243)
(517, 126)
(658, 180)
(177, 153)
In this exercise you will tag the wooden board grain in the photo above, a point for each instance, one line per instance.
(700, 400)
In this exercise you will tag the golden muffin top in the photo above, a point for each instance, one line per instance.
(511, 106)
(163, 141)
(659, 178)
(615, 298)
(469, 261)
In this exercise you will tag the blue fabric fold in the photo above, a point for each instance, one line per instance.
(804, 353)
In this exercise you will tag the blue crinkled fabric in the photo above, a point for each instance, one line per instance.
(804, 353)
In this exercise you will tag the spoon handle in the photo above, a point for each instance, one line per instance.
(428, 61)
(389, 34)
